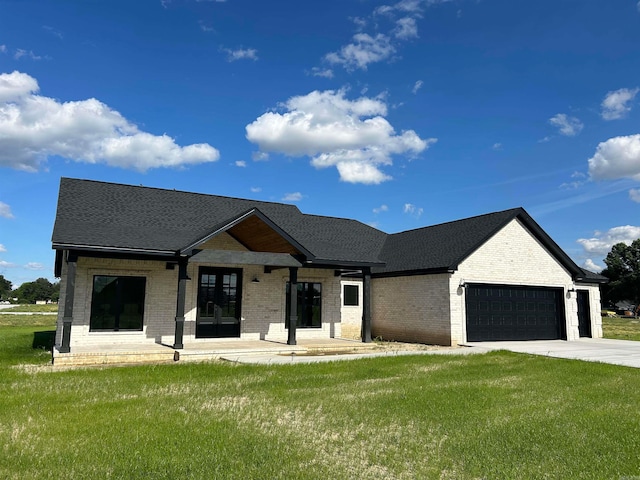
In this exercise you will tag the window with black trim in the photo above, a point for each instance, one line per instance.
(351, 295)
(117, 303)
(309, 305)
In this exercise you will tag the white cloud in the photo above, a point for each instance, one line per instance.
(497, 146)
(4, 264)
(359, 22)
(590, 265)
(256, 189)
(34, 266)
(616, 104)
(34, 127)
(322, 72)
(406, 28)
(53, 31)
(240, 54)
(568, 126)
(417, 86)
(634, 195)
(5, 210)
(3, 49)
(205, 27)
(638, 6)
(2, 248)
(28, 54)
(241, 163)
(292, 197)
(364, 50)
(601, 242)
(381, 208)
(577, 181)
(351, 135)
(411, 209)
(260, 156)
(571, 185)
(618, 157)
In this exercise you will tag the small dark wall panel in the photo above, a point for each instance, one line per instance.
(506, 312)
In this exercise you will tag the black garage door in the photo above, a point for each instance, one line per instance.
(504, 312)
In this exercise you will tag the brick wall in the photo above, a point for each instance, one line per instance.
(513, 257)
(431, 308)
(159, 305)
(351, 315)
(263, 303)
(411, 309)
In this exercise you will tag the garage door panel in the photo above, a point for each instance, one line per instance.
(504, 312)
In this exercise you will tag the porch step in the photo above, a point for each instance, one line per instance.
(110, 358)
(154, 353)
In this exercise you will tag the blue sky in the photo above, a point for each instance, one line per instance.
(399, 114)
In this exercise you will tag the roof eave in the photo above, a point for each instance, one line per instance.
(415, 272)
(100, 248)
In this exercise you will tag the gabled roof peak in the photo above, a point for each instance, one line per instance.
(513, 211)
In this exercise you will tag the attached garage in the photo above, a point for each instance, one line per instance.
(506, 312)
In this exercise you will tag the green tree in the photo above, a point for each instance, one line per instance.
(5, 288)
(40, 289)
(623, 271)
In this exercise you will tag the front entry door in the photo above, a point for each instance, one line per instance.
(219, 298)
(584, 314)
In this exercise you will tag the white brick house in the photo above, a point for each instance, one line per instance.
(143, 265)
(432, 307)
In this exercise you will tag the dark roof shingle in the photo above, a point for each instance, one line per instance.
(108, 215)
(114, 216)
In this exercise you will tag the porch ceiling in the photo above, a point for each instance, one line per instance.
(258, 236)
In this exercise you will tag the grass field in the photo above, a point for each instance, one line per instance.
(499, 415)
(51, 308)
(621, 328)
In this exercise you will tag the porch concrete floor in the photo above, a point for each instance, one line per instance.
(205, 350)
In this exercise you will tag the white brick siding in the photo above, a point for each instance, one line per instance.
(411, 309)
(263, 303)
(514, 257)
(431, 308)
(351, 315)
(159, 303)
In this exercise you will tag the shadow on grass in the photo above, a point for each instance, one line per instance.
(44, 340)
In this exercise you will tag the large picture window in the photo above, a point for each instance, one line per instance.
(309, 304)
(117, 303)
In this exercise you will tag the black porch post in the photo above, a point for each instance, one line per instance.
(67, 317)
(366, 305)
(180, 302)
(293, 305)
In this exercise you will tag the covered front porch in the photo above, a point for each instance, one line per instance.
(246, 280)
(118, 353)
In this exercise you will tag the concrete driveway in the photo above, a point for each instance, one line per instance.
(604, 350)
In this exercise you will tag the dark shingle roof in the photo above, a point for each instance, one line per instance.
(108, 215)
(592, 277)
(95, 214)
(440, 247)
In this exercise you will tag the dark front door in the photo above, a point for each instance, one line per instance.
(219, 298)
(584, 314)
(505, 312)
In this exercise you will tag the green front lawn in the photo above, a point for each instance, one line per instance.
(51, 308)
(621, 328)
(500, 415)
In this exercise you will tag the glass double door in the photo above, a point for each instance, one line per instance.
(219, 302)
